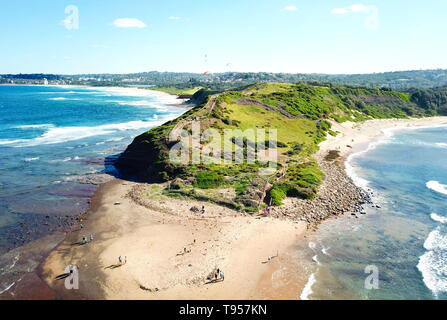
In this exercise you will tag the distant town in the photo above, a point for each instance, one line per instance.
(394, 80)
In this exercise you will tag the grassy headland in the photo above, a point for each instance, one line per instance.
(301, 113)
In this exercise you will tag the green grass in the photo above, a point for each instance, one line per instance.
(301, 114)
(208, 180)
(301, 180)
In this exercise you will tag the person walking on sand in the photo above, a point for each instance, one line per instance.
(222, 276)
(91, 238)
(216, 275)
(120, 260)
(125, 259)
(203, 210)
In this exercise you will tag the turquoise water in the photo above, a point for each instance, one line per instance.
(55, 142)
(406, 239)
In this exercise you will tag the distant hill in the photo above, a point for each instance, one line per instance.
(401, 80)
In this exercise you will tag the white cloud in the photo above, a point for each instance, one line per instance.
(175, 18)
(358, 8)
(290, 8)
(339, 11)
(372, 12)
(129, 23)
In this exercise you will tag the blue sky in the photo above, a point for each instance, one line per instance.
(324, 36)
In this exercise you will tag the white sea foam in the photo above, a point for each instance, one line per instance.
(436, 240)
(315, 259)
(31, 159)
(136, 92)
(421, 143)
(7, 288)
(34, 126)
(325, 251)
(437, 186)
(307, 291)
(16, 258)
(433, 264)
(312, 245)
(63, 99)
(441, 144)
(143, 103)
(392, 131)
(436, 217)
(350, 170)
(387, 138)
(6, 141)
(115, 139)
(64, 134)
(67, 159)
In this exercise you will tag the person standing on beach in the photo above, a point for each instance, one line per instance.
(203, 210)
(216, 275)
(120, 260)
(222, 275)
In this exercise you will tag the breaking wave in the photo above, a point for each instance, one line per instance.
(437, 186)
(64, 134)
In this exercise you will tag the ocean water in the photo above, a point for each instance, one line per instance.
(57, 143)
(405, 240)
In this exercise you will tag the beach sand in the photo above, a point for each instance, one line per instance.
(353, 135)
(154, 239)
(153, 234)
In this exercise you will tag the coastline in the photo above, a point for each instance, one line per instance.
(181, 101)
(355, 139)
(20, 266)
(151, 236)
(157, 233)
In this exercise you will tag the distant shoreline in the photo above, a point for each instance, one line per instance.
(181, 104)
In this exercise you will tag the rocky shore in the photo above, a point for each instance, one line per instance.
(337, 195)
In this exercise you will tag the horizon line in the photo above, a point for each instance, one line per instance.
(224, 72)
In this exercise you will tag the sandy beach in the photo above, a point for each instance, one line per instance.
(171, 250)
(352, 135)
